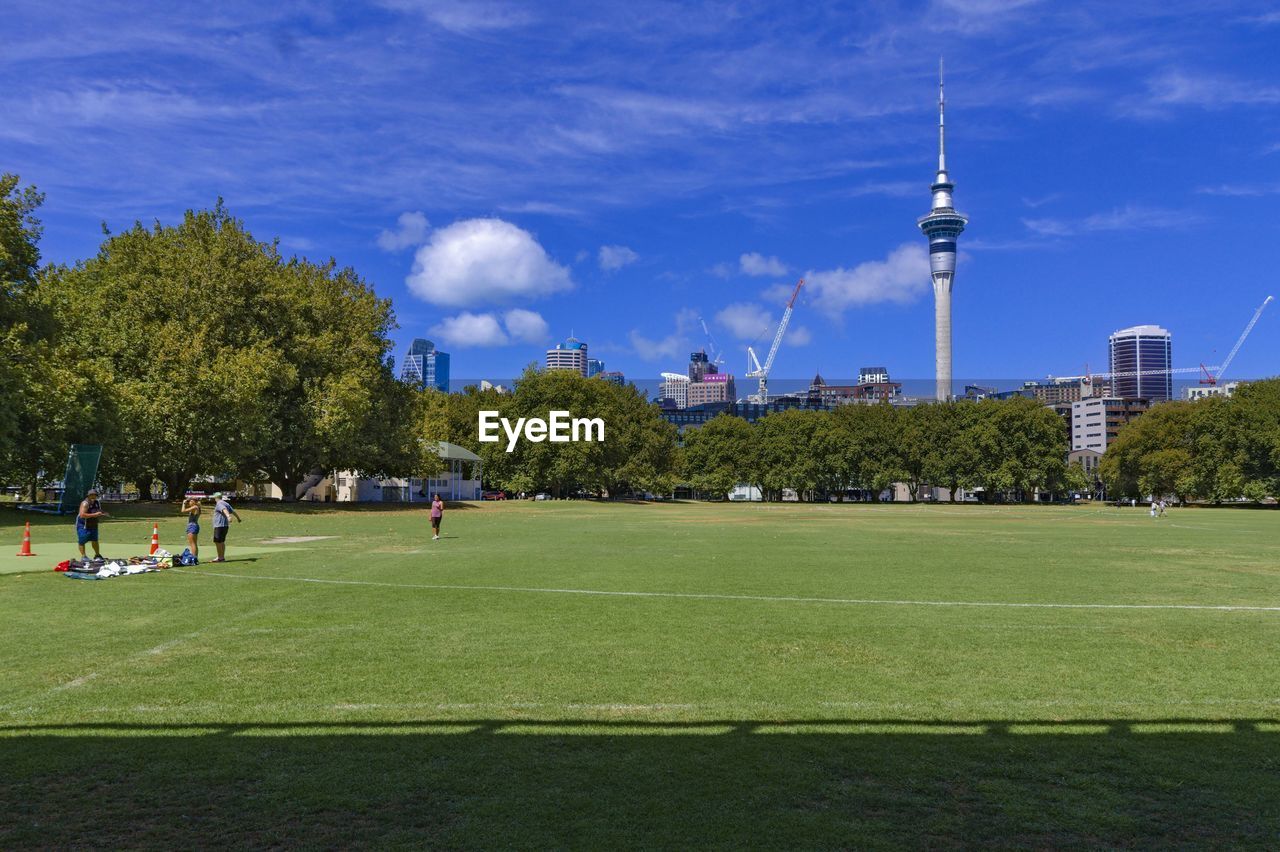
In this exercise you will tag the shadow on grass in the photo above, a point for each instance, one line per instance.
(485, 783)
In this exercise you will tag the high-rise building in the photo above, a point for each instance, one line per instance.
(613, 376)
(1141, 360)
(426, 366)
(675, 387)
(594, 367)
(699, 365)
(570, 355)
(942, 225)
(714, 387)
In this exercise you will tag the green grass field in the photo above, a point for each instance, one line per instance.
(571, 675)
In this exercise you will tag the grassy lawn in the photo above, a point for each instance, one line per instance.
(574, 675)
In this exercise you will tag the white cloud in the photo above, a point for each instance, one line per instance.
(745, 320)
(526, 326)
(721, 270)
(672, 346)
(799, 335)
(468, 329)
(411, 230)
(484, 260)
(476, 330)
(902, 277)
(616, 257)
(754, 263)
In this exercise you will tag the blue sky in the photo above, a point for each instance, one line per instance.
(508, 173)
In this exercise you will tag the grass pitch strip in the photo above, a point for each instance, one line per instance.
(685, 675)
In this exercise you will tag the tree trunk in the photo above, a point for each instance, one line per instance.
(288, 485)
(176, 482)
(144, 487)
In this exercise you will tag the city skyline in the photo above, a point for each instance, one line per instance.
(626, 175)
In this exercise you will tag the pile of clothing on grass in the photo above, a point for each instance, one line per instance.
(104, 569)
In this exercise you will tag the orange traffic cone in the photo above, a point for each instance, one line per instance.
(26, 542)
(155, 538)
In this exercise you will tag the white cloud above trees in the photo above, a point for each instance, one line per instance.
(479, 261)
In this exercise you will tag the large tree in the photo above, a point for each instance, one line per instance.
(335, 404)
(19, 262)
(225, 358)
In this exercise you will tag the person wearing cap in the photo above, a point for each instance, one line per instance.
(87, 522)
(222, 514)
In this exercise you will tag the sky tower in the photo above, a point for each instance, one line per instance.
(942, 225)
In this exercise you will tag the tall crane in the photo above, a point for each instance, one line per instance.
(1131, 373)
(754, 369)
(1211, 378)
(714, 355)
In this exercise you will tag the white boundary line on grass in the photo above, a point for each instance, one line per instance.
(729, 597)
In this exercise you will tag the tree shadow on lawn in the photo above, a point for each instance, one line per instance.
(486, 783)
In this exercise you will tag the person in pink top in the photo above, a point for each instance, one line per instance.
(437, 512)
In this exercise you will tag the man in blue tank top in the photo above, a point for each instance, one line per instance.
(87, 522)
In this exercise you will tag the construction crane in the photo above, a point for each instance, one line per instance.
(713, 352)
(754, 369)
(1130, 374)
(1211, 378)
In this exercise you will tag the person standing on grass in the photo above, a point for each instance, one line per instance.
(87, 522)
(191, 508)
(437, 513)
(222, 514)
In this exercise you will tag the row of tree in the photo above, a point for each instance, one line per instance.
(1011, 447)
(1214, 449)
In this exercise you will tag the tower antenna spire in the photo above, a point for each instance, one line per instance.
(942, 150)
(942, 225)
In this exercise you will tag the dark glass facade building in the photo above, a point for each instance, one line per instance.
(1141, 361)
(426, 366)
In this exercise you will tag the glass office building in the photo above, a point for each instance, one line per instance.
(425, 366)
(1141, 360)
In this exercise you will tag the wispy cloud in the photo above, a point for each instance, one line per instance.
(1241, 190)
(1208, 91)
(465, 17)
(1131, 217)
